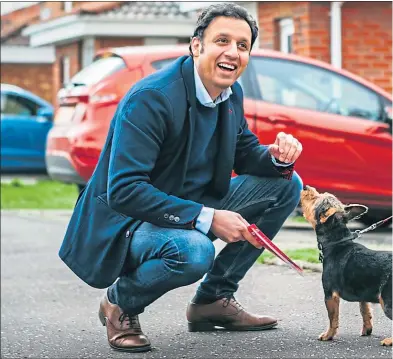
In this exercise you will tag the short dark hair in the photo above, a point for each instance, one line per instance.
(227, 10)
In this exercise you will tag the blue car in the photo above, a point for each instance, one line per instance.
(25, 122)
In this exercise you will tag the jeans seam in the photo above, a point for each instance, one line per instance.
(234, 192)
(249, 204)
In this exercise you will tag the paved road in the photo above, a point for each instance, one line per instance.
(47, 312)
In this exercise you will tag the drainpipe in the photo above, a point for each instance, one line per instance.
(335, 34)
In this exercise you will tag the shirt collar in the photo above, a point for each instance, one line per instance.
(204, 97)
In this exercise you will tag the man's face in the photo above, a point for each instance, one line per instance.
(224, 54)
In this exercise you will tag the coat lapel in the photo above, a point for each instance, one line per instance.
(189, 82)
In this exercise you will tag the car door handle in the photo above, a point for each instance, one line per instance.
(279, 119)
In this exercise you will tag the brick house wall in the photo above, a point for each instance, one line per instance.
(36, 78)
(366, 34)
(105, 42)
(73, 51)
(371, 57)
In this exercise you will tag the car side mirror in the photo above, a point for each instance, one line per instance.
(388, 114)
(45, 113)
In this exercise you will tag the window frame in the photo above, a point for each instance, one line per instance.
(26, 102)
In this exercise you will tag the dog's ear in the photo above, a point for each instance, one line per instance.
(354, 211)
(324, 216)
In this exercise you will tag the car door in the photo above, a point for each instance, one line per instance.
(346, 146)
(23, 134)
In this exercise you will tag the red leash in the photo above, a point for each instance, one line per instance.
(263, 240)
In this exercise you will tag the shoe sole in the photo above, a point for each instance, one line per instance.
(145, 348)
(210, 327)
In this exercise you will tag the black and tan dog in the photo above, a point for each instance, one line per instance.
(350, 270)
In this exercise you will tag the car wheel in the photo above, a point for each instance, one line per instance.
(369, 219)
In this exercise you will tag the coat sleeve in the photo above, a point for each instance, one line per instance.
(141, 125)
(253, 158)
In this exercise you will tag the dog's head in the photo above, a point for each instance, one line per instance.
(322, 208)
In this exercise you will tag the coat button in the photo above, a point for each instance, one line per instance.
(177, 219)
(166, 215)
(171, 217)
(127, 234)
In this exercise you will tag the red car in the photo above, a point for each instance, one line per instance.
(343, 121)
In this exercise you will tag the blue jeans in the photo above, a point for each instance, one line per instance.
(162, 259)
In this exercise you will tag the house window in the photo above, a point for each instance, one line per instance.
(65, 72)
(287, 30)
(67, 6)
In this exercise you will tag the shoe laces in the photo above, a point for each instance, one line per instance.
(230, 298)
(131, 321)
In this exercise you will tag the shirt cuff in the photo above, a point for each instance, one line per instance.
(204, 220)
(281, 164)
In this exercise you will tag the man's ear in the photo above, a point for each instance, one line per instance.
(196, 46)
(354, 211)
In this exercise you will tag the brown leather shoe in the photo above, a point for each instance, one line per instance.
(226, 313)
(124, 331)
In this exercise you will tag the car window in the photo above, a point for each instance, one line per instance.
(291, 83)
(17, 105)
(98, 70)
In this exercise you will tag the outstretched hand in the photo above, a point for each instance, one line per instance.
(286, 148)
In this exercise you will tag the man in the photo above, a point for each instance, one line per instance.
(162, 189)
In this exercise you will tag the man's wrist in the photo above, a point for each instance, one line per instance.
(204, 220)
(278, 163)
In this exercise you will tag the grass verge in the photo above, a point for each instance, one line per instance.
(309, 255)
(42, 195)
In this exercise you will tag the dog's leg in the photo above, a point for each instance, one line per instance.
(366, 312)
(385, 300)
(332, 306)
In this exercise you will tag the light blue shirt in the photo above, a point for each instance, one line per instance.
(205, 218)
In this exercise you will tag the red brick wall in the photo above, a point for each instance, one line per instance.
(319, 31)
(73, 51)
(35, 78)
(104, 42)
(18, 18)
(366, 34)
(269, 15)
(367, 41)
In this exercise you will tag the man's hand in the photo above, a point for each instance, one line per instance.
(232, 227)
(286, 148)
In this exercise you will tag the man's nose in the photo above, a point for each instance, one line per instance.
(233, 50)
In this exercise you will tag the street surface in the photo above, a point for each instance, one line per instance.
(47, 312)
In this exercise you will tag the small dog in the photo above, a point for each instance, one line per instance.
(350, 270)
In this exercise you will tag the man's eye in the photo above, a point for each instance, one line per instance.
(222, 40)
(243, 46)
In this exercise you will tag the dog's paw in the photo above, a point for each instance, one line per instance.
(387, 342)
(326, 336)
(366, 331)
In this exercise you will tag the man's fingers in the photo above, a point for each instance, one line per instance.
(292, 148)
(282, 141)
(251, 239)
(285, 146)
(297, 152)
(244, 221)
